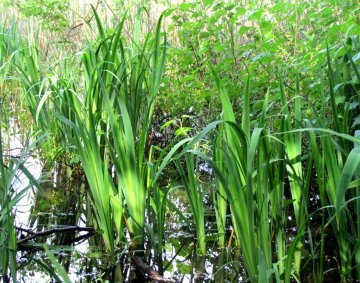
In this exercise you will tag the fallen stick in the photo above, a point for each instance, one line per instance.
(149, 271)
(51, 231)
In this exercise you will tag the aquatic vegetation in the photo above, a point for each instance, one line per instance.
(111, 127)
(270, 112)
(11, 169)
(195, 193)
(11, 193)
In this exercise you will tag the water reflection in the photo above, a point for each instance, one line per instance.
(64, 203)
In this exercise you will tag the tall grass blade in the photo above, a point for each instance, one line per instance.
(242, 156)
(195, 196)
(60, 270)
(293, 146)
(220, 198)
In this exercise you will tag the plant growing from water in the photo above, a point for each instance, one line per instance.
(112, 123)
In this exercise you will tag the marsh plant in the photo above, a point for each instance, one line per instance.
(15, 181)
(111, 122)
(274, 146)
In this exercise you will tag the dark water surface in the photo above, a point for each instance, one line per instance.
(62, 212)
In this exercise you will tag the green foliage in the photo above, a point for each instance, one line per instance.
(10, 194)
(57, 267)
(51, 13)
(111, 123)
(336, 161)
(269, 41)
(190, 181)
(236, 173)
(288, 93)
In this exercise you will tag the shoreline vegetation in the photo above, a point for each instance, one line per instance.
(174, 134)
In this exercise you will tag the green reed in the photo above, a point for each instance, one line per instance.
(104, 114)
(243, 170)
(190, 181)
(32, 74)
(135, 104)
(336, 159)
(219, 196)
(107, 119)
(112, 122)
(10, 170)
(294, 169)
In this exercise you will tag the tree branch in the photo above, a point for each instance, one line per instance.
(34, 235)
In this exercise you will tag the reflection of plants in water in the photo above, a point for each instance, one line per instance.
(15, 179)
(11, 193)
(60, 200)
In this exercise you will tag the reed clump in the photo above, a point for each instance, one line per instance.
(269, 152)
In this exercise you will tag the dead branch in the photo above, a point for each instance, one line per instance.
(149, 271)
(34, 235)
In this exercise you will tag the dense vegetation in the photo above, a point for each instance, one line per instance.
(140, 98)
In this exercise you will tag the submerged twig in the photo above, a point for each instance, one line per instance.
(151, 273)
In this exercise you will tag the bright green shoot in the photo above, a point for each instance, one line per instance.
(195, 194)
(294, 167)
(336, 160)
(121, 85)
(128, 144)
(244, 178)
(220, 198)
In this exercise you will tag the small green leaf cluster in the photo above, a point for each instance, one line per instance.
(270, 41)
(51, 13)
